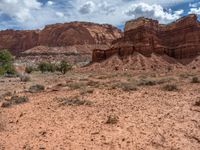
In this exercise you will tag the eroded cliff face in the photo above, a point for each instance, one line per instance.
(59, 35)
(18, 41)
(180, 39)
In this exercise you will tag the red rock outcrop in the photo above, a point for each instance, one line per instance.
(18, 41)
(59, 35)
(180, 39)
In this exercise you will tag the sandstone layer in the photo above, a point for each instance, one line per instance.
(179, 39)
(59, 35)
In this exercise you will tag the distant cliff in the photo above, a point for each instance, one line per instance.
(180, 39)
(59, 35)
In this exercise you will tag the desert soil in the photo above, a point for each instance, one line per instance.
(146, 118)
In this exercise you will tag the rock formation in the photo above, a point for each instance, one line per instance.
(180, 39)
(59, 35)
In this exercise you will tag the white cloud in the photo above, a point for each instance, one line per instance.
(60, 14)
(152, 11)
(50, 3)
(87, 8)
(194, 11)
(19, 9)
(194, 4)
(29, 14)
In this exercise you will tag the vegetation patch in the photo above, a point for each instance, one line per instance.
(186, 75)
(14, 100)
(195, 80)
(85, 91)
(76, 85)
(170, 87)
(74, 101)
(24, 78)
(29, 69)
(112, 119)
(6, 63)
(197, 103)
(147, 82)
(36, 88)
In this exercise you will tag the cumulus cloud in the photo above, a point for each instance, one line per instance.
(194, 8)
(19, 9)
(194, 11)
(87, 8)
(28, 14)
(194, 4)
(153, 11)
(50, 3)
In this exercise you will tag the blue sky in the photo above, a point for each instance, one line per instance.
(33, 14)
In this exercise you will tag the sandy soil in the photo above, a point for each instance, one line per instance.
(148, 118)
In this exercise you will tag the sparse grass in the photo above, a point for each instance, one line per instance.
(147, 82)
(36, 88)
(128, 87)
(15, 100)
(197, 103)
(85, 91)
(76, 85)
(24, 78)
(195, 80)
(112, 119)
(74, 101)
(29, 69)
(170, 87)
(125, 86)
(93, 83)
(186, 75)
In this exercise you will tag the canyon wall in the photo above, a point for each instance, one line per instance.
(59, 35)
(179, 39)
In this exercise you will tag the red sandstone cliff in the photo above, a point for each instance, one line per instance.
(180, 39)
(59, 35)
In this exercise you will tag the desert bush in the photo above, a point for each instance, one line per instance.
(186, 75)
(46, 67)
(148, 82)
(127, 87)
(24, 78)
(84, 91)
(6, 63)
(197, 103)
(36, 88)
(74, 101)
(112, 119)
(15, 100)
(29, 69)
(64, 67)
(170, 87)
(195, 80)
(76, 85)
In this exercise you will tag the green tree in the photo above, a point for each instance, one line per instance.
(64, 67)
(47, 67)
(6, 63)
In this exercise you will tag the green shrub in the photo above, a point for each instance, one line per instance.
(170, 87)
(6, 63)
(195, 80)
(46, 67)
(197, 103)
(36, 88)
(64, 67)
(147, 82)
(29, 69)
(15, 100)
(24, 78)
(74, 101)
(127, 87)
(112, 119)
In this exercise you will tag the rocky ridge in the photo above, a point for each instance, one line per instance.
(179, 39)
